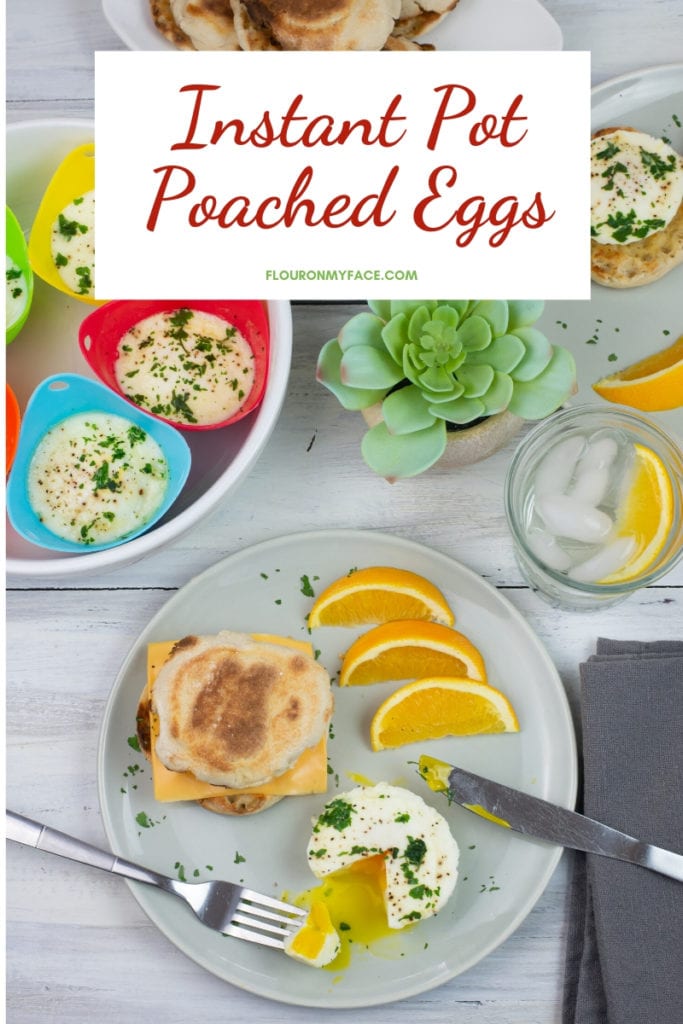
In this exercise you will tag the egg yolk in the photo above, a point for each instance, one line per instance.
(354, 898)
(309, 940)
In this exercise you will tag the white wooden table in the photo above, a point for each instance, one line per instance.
(78, 947)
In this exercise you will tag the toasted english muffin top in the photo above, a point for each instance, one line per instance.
(236, 712)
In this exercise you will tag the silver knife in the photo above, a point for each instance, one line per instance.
(532, 816)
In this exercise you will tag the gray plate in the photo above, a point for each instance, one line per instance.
(260, 590)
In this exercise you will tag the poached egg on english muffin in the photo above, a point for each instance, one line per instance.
(319, 25)
(237, 712)
(636, 208)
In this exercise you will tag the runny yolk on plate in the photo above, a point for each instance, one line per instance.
(354, 897)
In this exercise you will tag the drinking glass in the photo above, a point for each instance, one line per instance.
(627, 428)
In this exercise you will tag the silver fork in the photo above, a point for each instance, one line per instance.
(223, 906)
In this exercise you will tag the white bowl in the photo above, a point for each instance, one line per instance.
(49, 344)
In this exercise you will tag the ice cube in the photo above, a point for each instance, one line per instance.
(599, 454)
(590, 485)
(556, 467)
(547, 550)
(606, 561)
(566, 517)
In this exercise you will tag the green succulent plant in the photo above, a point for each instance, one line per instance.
(439, 362)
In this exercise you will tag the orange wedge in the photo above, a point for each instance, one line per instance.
(652, 385)
(379, 594)
(439, 706)
(646, 514)
(410, 649)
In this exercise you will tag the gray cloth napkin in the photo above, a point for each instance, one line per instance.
(625, 942)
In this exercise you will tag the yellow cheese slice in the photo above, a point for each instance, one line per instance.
(308, 774)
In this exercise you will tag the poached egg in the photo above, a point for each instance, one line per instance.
(414, 842)
(636, 186)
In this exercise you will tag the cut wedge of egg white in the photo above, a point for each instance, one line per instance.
(420, 853)
(316, 943)
(636, 186)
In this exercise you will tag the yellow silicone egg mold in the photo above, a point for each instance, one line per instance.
(74, 177)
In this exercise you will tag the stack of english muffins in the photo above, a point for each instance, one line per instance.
(298, 24)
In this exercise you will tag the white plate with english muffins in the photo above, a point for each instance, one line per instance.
(472, 25)
(619, 326)
(267, 589)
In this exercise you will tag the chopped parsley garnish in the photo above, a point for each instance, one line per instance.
(102, 480)
(60, 260)
(609, 173)
(136, 434)
(415, 851)
(306, 588)
(610, 150)
(12, 274)
(646, 226)
(239, 859)
(412, 856)
(336, 815)
(402, 817)
(70, 228)
(654, 163)
(84, 532)
(179, 404)
(84, 280)
(179, 320)
(625, 225)
(421, 892)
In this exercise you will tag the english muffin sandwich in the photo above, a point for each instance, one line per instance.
(314, 24)
(298, 24)
(234, 721)
(162, 16)
(208, 23)
(417, 18)
(636, 208)
(196, 24)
